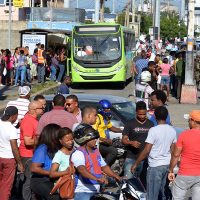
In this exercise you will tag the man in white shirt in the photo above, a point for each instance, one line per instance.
(9, 153)
(21, 104)
(160, 140)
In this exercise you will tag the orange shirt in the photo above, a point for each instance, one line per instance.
(190, 156)
(28, 128)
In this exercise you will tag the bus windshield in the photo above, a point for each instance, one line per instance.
(97, 47)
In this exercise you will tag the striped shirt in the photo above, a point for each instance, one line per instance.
(140, 65)
(56, 116)
(22, 105)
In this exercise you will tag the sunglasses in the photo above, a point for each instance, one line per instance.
(68, 104)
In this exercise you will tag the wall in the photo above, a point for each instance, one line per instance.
(15, 35)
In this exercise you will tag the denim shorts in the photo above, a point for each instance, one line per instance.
(165, 80)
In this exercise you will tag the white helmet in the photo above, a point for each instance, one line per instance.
(145, 76)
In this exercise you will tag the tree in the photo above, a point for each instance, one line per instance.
(106, 10)
(145, 23)
(121, 18)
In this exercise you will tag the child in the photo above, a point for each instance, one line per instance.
(61, 160)
(64, 87)
(143, 89)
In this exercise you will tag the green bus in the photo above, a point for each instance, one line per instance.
(101, 52)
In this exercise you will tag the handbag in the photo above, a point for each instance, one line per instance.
(65, 184)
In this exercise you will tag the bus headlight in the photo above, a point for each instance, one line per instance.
(76, 69)
(118, 68)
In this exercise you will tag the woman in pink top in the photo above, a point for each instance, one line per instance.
(166, 70)
(9, 60)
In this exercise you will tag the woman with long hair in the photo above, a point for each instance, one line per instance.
(48, 145)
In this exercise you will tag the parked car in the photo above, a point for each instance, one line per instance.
(122, 109)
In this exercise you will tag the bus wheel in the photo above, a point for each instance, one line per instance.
(122, 85)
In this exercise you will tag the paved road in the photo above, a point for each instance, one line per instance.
(176, 110)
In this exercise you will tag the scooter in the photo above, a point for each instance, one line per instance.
(127, 189)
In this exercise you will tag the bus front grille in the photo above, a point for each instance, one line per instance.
(97, 77)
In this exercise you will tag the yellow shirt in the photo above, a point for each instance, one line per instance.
(101, 126)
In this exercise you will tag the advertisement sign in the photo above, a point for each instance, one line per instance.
(31, 40)
(18, 3)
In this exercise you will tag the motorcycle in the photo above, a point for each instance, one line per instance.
(127, 189)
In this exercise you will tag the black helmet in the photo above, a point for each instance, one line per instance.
(84, 133)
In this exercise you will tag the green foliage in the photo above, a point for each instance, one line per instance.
(121, 18)
(170, 26)
(106, 10)
(146, 23)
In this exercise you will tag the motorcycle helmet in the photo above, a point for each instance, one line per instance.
(84, 133)
(105, 104)
(145, 76)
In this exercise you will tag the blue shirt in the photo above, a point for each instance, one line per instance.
(41, 156)
(63, 89)
(140, 64)
(153, 119)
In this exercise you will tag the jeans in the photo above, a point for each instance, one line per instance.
(28, 73)
(41, 73)
(156, 181)
(83, 195)
(61, 72)
(7, 175)
(182, 184)
(109, 152)
(26, 189)
(43, 187)
(53, 73)
(22, 72)
(127, 168)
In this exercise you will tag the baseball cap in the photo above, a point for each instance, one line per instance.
(195, 115)
(24, 90)
(9, 111)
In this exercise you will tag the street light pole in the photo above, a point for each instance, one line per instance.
(9, 25)
(97, 5)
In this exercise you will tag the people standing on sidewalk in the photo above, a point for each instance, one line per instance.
(180, 75)
(159, 143)
(57, 115)
(134, 135)
(9, 153)
(41, 63)
(34, 64)
(72, 106)
(89, 163)
(166, 70)
(21, 69)
(187, 150)
(62, 59)
(2, 66)
(28, 129)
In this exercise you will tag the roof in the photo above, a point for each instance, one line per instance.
(94, 98)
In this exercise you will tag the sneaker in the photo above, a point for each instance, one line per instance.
(59, 83)
(1, 85)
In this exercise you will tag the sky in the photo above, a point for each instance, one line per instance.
(119, 4)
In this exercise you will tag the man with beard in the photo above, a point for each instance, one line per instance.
(134, 135)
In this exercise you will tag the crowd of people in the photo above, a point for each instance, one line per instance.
(39, 65)
(43, 144)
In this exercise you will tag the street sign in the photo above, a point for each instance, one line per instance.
(18, 3)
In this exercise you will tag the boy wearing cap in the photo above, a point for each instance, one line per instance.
(187, 149)
(9, 153)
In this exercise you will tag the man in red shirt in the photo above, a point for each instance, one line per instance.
(28, 129)
(187, 149)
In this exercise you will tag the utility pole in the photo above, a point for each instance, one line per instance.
(182, 15)
(102, 10)
(189, 90)
(113, 5)
(97, 4)
(9, 25)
